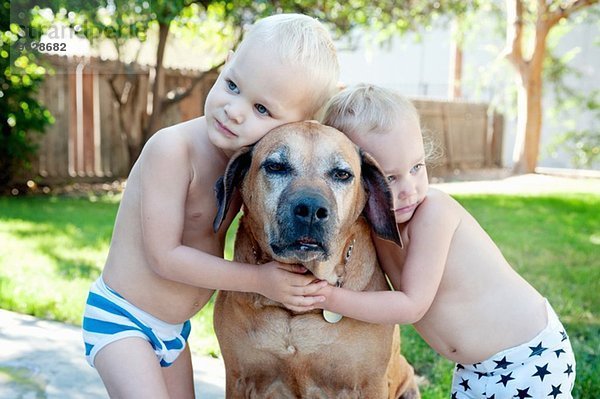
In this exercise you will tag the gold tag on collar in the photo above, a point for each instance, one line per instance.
(331, 317)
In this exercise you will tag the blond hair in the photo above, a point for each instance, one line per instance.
(365, 108)
(301, 41)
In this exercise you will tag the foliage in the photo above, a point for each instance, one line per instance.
(54, 247)
(20, 78)
(582, 144)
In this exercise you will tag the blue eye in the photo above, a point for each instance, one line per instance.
(261, 109)
(417, 168)
(232, 86)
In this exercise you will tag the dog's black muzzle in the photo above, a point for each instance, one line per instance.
(304, 218)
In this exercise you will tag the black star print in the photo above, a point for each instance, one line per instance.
(563, 335)
(537, 350)
(559, 352)
(542, 371)
(502, 364)
(454, 395)
(523, 393)
(505, 378)
(480, 374)
(491, 397)
(460, 366)
(555, 391)
(465, 384)
(476, 364)
(569, 369)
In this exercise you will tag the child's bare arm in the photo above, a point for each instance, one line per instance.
(382, 307)
(165, 177)
(431, 231)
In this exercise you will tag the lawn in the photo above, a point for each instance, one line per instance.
(51, 248)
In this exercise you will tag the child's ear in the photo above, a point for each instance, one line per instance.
(379, 207)
(234, 174)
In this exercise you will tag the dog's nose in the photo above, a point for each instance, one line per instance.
(311, 210)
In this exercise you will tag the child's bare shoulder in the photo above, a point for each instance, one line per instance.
(438, 201)
(176, 144)
(438, 208)
(176, 136)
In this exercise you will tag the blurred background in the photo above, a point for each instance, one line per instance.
(510, 86)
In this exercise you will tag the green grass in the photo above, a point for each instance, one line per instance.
(52, 248)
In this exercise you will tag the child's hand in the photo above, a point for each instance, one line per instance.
(324, 292)
(287, 284)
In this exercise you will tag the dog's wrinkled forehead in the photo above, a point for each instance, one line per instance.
(309, 145)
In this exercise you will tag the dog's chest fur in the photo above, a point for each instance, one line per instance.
(301, 338)
(284, 335)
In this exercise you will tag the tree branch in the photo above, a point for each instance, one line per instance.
(564, 10)
(180, 93)
(114, 90)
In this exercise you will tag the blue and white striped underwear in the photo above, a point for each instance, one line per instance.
(108, 317)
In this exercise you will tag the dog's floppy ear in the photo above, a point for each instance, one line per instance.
(379, 207)
(234, 174)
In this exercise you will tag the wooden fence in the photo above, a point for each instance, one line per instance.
(468, 134)
(87, 143)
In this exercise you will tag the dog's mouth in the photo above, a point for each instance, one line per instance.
(300, 250)
(307, 244)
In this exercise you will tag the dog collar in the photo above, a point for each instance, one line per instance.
(347, 255)
(332, 317)
(349, 251)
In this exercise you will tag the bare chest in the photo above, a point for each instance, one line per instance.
(199, 211)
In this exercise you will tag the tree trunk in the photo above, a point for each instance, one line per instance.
(529, 111)
(529, 122)
(131, 115)
(158, 89)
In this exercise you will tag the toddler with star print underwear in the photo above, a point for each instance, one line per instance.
(450, 280)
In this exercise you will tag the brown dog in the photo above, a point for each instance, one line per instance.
(309, 196)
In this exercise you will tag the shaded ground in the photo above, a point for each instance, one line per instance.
(44, 360)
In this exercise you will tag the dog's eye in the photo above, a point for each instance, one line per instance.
(341, 175)
(275, 167)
